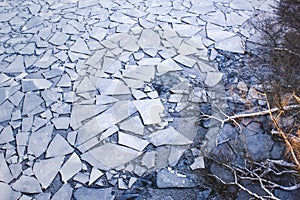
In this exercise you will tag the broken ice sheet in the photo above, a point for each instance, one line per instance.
(133, 125)
(167, 66)
(6, 135)
(39, 140)
(61, 123)
(31, 101)
(149, 39)
(148, 159)
(46, 170)
(233, 44)
(58, 147)
(71, 167)
(184, 60)
(175, 154)
(80, 47)
(35, 84)
(168, 136)
(27, 184)
(16, 66)
(150, 110)
(95, 174)
(5, 174)
(111, 86)
(59, 38)
(132, 141)
(144, 73)
(64, 192)
(109, 156)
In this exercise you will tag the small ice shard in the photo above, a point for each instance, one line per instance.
(133, 125)
(168, 136)
(32, 22)
(58, 147)
(35, 84)
(213, 78)
(50, 96)
(132, 141)
(109, 156)
(121, 184)
(175, 98)
(138, 94)
(144, 73)
(149, 61)
(16, 66)
(175, 155)
(65, 81)
(16, 98)
(64, 192)
(198, 163)
(205, 67)
(149, 39)
(6, 110)
(61, 123)
(184, 60)
(150, 110)
(39, 140)
(167, 66)
(46, 60)
(96, 57)
(6, 135)
(6, 192)
(98, 33)
(80, 47)
(71, 167)
(186, 49)
(81, 177)
(129, 43)
(71, 137)
(27, 184)
(5, 174)
(117, 16)
(95, 174)
(46, 170)
(31, 101)
(85, 86)
(132, 180)
(59, 38)
(111, 86)
(148, 159)
(170, 179)
(110, 131)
